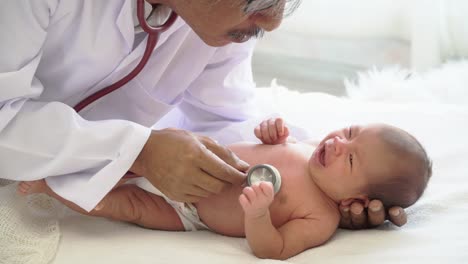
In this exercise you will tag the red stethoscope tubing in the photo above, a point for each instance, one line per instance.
(153, 37)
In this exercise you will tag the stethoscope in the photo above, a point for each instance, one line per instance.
(153, 37)
(264, 172)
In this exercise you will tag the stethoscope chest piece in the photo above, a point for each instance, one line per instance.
(264, 172)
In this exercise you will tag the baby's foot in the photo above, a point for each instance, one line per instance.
(30, 187)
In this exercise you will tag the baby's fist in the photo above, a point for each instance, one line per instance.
(256, 199)
(272, 131)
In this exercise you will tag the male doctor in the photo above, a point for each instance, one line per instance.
(55, 53)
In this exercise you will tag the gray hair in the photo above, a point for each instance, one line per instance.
(252, 6)
(267, 7)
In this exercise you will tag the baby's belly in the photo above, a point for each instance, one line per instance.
(222, 213)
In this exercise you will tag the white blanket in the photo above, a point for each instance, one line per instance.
(436, 231)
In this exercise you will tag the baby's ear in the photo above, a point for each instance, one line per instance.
(362, 199)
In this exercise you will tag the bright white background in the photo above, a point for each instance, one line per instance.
(325, 41)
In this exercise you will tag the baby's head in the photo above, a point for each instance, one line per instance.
(377, 161)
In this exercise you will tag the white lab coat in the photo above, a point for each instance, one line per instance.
(54, 53)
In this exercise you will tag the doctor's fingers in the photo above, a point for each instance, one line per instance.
(186, 193)
(197, 187)
(197, 192)
(358, 216)
(225, 154)
(345, 219)
(397, 216)
(376, 213)
(222, 164)
(209, 184)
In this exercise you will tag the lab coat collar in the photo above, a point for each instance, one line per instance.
(125, 23)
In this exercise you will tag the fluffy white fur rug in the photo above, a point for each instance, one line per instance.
(446, 84)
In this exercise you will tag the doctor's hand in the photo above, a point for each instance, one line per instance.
(187, 167)
(272, 131)
(356, 216)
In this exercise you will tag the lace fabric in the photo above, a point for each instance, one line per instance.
(29, 227)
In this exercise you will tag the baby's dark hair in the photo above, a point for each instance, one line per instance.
(410, 172)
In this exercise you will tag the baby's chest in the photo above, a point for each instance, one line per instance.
(296, 199)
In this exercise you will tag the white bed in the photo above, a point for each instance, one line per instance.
(436, 231)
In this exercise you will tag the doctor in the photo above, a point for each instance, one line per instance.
(55, 53)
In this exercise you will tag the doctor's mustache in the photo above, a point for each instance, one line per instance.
(244, 35)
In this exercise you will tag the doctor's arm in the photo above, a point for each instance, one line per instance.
(42, 138)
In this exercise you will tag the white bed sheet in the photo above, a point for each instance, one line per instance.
(436, 231)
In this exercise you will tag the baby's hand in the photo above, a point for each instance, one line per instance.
(272, 131)
(256, 199)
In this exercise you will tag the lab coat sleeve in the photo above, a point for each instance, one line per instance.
(223, 93)
(49, 139)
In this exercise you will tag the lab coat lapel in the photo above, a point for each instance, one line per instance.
(100, 108)
(125, 24)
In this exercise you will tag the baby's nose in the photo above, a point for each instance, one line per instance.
(337, 145)
(330, 145)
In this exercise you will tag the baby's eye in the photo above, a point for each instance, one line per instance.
(349, 132)
(351, 160)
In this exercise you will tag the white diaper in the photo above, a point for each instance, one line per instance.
(187, 212)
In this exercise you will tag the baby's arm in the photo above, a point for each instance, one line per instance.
(292, 238)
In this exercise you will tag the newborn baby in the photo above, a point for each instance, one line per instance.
(356, 163)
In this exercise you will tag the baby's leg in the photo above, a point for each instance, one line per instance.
(127, 203)
(30, 187)
(132, 204)
(40, 186)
